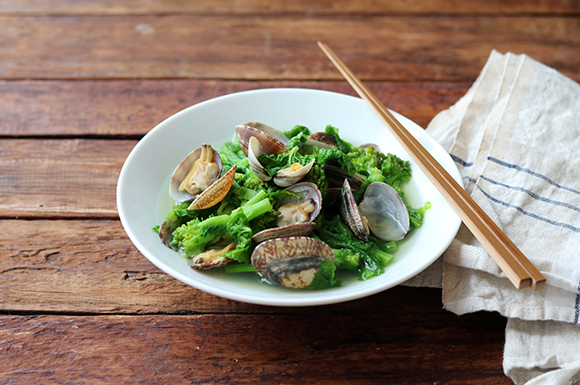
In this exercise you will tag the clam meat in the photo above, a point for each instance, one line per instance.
(297, 215)
(214, 257)
(303, 209)
(196, 172)
(293, 174)
(291, 262)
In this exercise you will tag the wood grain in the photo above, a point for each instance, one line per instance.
(306, 7)
(281, 48)
(401, 348)
(132, 107)
(91, 267)
(61, 178)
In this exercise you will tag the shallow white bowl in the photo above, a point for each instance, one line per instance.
(143, 199)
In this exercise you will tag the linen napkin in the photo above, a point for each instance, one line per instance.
(515, 137)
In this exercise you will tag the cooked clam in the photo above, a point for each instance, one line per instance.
(254, 151)
(336, 176)
(269, 144)
(351, 214)
(322, 140)
(293, 174)
(387, 215)
(291, 262)
(209, 259)
(196, 172)
(303, 209)
(296, 214)
(215, 193)
(167, 228)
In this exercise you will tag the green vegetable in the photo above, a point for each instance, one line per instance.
(274, 163)
(342, 145)
(395, 170)
(197, 234)
(297, 136)
(324, 276)
(372, 259)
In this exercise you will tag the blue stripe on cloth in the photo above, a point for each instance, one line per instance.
(526, 170)
(457, 159)
(469, 179)
(577, 307)
(532, 194)
(532, 215)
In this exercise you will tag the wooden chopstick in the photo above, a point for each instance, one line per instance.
(520, 271)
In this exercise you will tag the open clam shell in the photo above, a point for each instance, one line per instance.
(385, 211)
(321, 140)
(288, 176)
(336, 176)
(206, 156)
(351, 214)
(291, 262)
(276, 134)
(167, 228)
(294, 230)
(211, 258)
(214, 193)
(307, 191)
(254, 151)
(269, 144)
(295, 225)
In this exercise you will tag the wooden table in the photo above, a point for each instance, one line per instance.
(83, 81)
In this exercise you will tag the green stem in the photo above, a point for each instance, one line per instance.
(240, 268)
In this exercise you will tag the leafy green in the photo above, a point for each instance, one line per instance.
(395, 170)
(297, 136)
(197, 234)
(324, 276)
(274, 163)
(341, 144)
(372, 260)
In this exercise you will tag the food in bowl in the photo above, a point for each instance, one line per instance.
(291, 206)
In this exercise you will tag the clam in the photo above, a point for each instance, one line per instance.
(291, 262)
(285, 177)
(351, 214)
(167, 228)
(336, 176)
(276, 134)
(293, 174)
(196, 172)
(269, 144)
(322, 140)
(303, 209)
(387, 215)
(215, 193)
(297, 214)
(211, 258)
(254, 151)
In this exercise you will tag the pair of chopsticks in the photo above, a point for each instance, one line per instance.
(520, 271)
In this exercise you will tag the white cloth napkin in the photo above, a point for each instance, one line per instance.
(515, 137)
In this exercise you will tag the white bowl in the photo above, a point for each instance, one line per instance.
(143, 199)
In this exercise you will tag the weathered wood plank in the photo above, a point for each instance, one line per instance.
(306, 7)
(90, 266)
(176, 46)
(133, 107)
(402, 348)
(60, 178)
